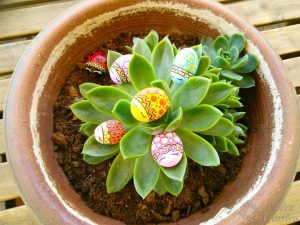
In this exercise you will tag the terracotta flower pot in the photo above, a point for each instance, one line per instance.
(272, 148)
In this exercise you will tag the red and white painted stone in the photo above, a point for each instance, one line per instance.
(96, 62)
(167, 149)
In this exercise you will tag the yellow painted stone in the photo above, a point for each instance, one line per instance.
(149, 104)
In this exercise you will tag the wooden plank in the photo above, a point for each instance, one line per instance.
(2, 145)
(4, 83)
(10, 54)
(262, 12)
(292, 66)
(30, 20)
(4, 4)
(18, 216)
(8, 188)
(284, 40)
(289, 211)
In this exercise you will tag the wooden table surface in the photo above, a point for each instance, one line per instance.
(21, 20)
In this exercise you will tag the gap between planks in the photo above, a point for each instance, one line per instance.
(32, 19)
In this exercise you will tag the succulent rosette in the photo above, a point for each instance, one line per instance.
(179, 105)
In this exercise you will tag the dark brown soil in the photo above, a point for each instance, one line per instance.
(201, 185)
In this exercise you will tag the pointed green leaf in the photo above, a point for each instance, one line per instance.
(96, 160)
(198, 149)
(220, 62)
(203, 65)
(221, 42)
(223, 127)
(175, 120)
(141, 72)
(250, 66)
(161, 84)
(246, 82)
(162, 59)
(111, 57)
(174, 187)
(199, 50)
(84, 111)
(221, 144)
(135, 143)
(142, 48)
(234, 54)
(146, 173)
(160, 188)
(241, 62)
(210, 52)
(153, 130)
(200, 117)
(86, 87)
(128, 48)
(104, 98)
(119, 173)
(230, 75)
(191, 92)
(237, 40)
(232, 149)
(152, 39)
(175, 50)
(238, 115)
(94, 148)
(176, 172)
(215, 71)
(127, 88)
(88, 128)
(217, 92)
(232, 103)
(123, 113)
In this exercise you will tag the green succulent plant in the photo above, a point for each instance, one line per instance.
(204, 111)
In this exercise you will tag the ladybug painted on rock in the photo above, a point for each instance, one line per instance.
(96, 62)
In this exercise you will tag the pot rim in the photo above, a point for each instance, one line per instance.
(285, 117)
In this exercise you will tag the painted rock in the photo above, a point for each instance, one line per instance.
(167, 149)
(119, 69)
(109, 132)
(149, 104)
(185, 65)
(96, 63)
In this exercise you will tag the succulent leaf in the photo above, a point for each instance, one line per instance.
(152, 39)
(246, 82)
(88, 128)
(190, 93)
(203, 66)
(161, 84)
(174, 187)
(176, 172)
(135, 143)
(86, 87)
(223, 127)
(123, 114)
(146, 173)
(250, 66)
(153, 130)
(119, 173)
(231, 148)
(96, 160)
(237, 40)
(94, 148)
(231, 75)
(162, 59)
(198, 149)
(217, 92)
(84, 111)
(200, 117)
(141, 72)
(221, 43)
(111, 57)
(175, 120)
(142, 48)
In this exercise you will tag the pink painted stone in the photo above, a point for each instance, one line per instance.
(119, 69)
(167, 149)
